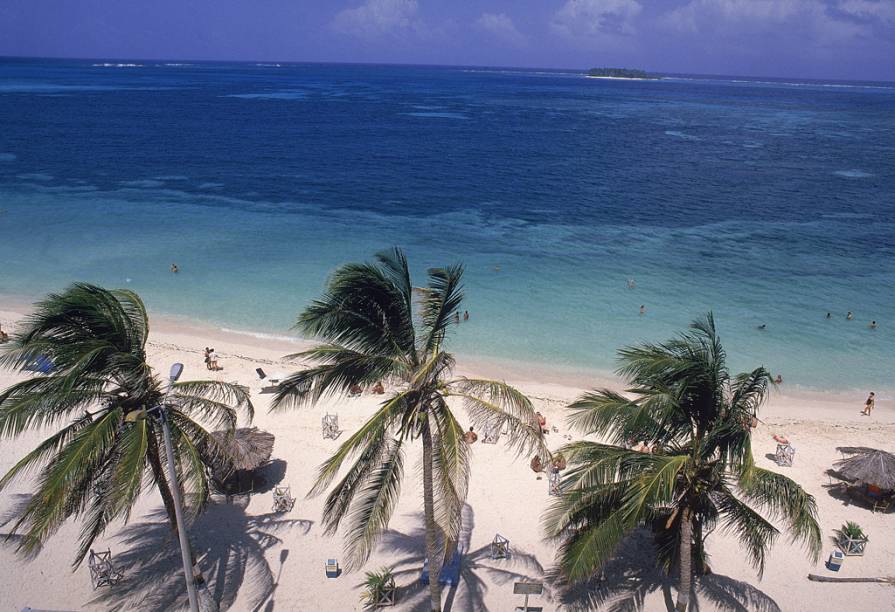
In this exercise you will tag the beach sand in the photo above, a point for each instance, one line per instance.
(256, 560)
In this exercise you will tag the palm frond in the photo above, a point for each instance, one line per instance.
(783, 499)
(450, 468)
(215, 400)
(373, 505)
(756, 535)
(441, 304)
(494, 404)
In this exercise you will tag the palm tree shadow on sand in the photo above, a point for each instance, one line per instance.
(229, 544)
(631, 575)
(475, 566)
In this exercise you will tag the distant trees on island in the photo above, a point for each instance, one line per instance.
(621, 73)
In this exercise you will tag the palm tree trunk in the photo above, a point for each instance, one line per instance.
(686, 561)
(432, 552)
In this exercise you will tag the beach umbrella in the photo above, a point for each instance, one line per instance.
(867, 465)
(247, 448)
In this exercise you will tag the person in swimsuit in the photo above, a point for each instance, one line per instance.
(642, 309)
(470, 436)
(868, 405)
(174, 268)
(873, 325)
(849, 316)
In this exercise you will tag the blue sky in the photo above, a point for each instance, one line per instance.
(806, 38)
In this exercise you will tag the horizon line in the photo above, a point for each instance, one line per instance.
(420, 65)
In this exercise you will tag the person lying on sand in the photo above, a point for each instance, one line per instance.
(470, 436)
(378, 389)
(4, 337)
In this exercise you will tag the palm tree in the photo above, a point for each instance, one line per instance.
(96, 394)
(697, 419)
(372, 330)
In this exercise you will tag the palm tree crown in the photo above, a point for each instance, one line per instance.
(696, 418)
(96, 394)
(376, 326)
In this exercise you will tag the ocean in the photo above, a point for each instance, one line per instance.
(769, 202)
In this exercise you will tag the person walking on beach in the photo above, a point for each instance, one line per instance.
(207, 358)
(868, 405)
(213, 361)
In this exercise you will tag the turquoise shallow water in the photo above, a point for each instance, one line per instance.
(769, 203)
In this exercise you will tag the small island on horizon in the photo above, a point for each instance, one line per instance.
(621, 73)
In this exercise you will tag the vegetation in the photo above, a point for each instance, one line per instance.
(96, 397)
(695, 415)
(375, 325)
(852, 531)
(621, 73)
(379, 586)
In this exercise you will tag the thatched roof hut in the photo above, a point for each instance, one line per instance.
(867, 465)
(247, 448)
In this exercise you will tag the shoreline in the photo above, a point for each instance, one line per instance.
(185, 334)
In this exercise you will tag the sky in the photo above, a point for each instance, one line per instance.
(836, 39)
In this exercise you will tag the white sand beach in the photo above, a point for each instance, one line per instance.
(257, 560)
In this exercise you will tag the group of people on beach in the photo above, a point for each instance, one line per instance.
(211, 359)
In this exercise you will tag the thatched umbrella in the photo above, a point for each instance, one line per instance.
(867, 465)
(245, 449)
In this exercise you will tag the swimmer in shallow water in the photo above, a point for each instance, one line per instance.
(873, 325)
(849, 316)
(763, 326)
(174, 268)
(642, 310)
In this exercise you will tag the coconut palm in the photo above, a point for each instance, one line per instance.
(104, 452)
(376, 326)
(697, 419)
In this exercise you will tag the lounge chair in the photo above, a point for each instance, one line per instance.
(491, 433)
(330, 426)
(102, 571)
(273, 384)
(554, 482)
(282, 499)
(784, 455)
(500, 547)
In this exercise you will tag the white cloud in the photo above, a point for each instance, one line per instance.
(378, 18)
(869, 10)
(739, 18)
(594, 19)
(501, 27)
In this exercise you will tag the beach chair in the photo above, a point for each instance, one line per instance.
(500, 547)
(784, 455)
(554, 482)
(330, 426)
(102, 571)
(273, 384)
(282, 499)
(491, 433)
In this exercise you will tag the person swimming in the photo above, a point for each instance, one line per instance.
(642, 309)
(174, 268)
(849, 316)
(829, 315)
(631, 283)
(873, 325)
(763, 326)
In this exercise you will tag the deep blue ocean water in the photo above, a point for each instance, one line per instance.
(768, 202)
